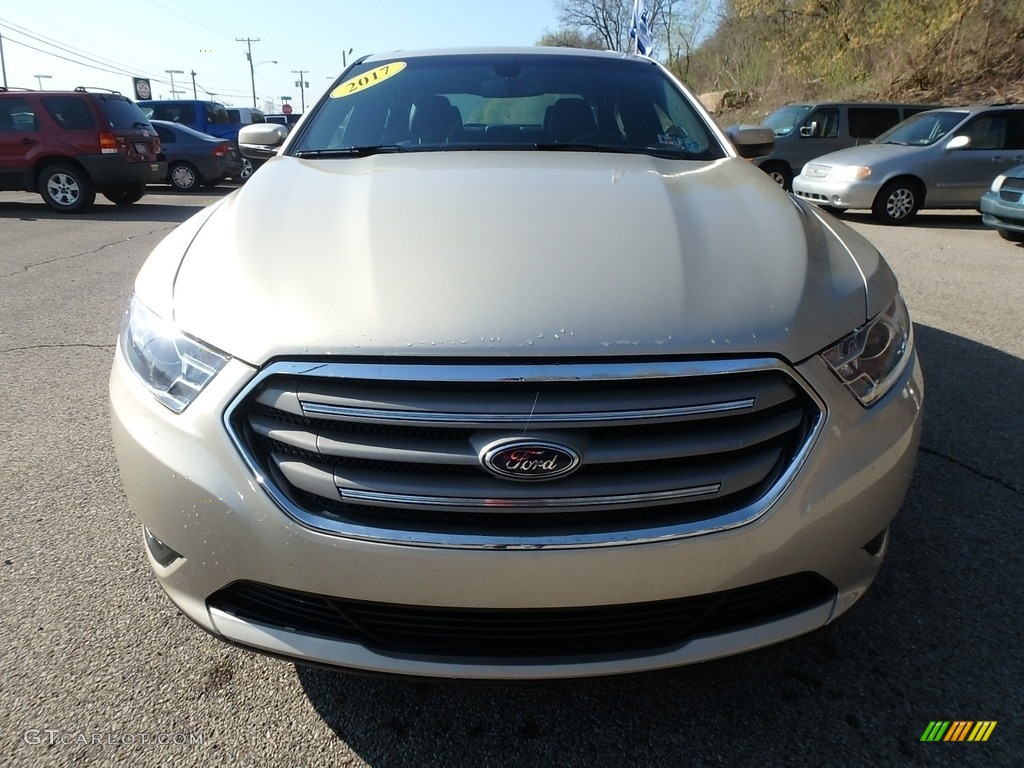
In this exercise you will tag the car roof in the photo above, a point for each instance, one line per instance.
(856, 104)
(973, 109)
(65, 92)
(188, 131)
(507, 51)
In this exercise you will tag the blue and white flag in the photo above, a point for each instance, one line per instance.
(641, 28)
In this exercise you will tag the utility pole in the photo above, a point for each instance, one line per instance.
(252, 69)
(194, 94)
(302, 84)
(3, 66)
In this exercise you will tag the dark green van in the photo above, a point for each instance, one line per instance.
(809, 130)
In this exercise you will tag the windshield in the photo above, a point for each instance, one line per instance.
(506, 102)
(922, 129)
(784, 120)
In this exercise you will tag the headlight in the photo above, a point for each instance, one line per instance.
(853, 172)
(173, 367)
(870, 360)
(997, 182)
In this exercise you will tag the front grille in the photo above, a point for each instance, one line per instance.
(1012, 190)
(399, 450)
(523, 633)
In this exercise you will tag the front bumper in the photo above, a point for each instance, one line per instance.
(837, 194)
(191, 489)
(999, 214)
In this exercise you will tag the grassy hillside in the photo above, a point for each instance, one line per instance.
(936, 51)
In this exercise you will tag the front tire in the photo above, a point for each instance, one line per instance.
(183, 177)
(780, 174)
(1013, 237)
(897, 202)
(125, 194)
(247, 169)
(66, 188)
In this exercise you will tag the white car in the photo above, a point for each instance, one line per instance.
(508, 365)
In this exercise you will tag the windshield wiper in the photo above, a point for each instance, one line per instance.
(567, 147)
(379, 149)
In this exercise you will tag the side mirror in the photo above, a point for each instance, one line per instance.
(752, 140)
(261, 141)
(807, 131)
(959, 142)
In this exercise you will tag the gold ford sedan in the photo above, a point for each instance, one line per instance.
(507, 364)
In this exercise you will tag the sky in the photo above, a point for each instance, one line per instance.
(145, 38)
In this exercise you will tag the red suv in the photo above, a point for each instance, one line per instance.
(69, 145)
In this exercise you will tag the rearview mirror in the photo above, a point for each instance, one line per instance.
(959, 142)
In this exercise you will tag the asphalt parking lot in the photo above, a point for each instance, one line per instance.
(99, 668)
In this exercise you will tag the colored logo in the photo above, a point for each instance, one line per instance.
(958, 730)
(529, 459)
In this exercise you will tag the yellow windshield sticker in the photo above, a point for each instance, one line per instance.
(367, 79)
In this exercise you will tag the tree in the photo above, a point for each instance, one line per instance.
(685, 28)
(610, 20)
(571, 38)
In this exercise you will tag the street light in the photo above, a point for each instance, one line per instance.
(172, 73)
(269, 61)
(252, 75)
(301, 84)
(40, 78)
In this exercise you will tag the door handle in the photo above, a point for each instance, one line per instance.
(29, 142)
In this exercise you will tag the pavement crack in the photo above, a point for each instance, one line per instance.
(74, 345)
(55, 260)
(973, 470)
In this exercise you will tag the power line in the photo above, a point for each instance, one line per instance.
(85, 59)
(97, 62)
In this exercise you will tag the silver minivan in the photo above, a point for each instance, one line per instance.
(805, 131)
(945, 158)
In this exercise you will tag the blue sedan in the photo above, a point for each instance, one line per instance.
(196, 159)
(1002, 207)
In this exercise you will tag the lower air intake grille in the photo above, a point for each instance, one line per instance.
(556, 632)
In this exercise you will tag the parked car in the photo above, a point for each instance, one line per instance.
(208, 117)
(283, 119)
(245, 116)
(196, 159)
(806, 131)
(521, 400)
(69, 145)
(1002, 207)
(944, 158)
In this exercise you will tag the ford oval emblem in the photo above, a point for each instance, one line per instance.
(521, 459)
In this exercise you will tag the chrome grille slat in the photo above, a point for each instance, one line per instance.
(348, 447)
(492, 495)
(388, 404)
(521, 419)
(697, 442)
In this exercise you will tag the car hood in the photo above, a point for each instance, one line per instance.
(868, 154)
(516, 253)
